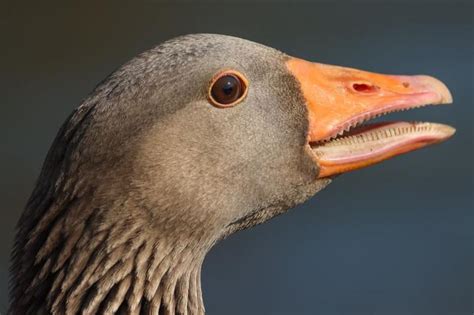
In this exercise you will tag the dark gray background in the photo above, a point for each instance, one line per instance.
(396, 238)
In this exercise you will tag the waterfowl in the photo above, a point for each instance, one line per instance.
(202, 136)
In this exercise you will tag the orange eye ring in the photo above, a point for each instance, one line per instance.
(227, 89)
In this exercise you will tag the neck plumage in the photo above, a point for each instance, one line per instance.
(74, 260)
(85, 247)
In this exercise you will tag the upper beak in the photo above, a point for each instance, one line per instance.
(339, 98)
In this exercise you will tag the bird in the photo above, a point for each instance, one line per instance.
(189, 142)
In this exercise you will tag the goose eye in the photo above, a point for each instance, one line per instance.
(227, 89)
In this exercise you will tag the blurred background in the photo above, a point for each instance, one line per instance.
(396, 238)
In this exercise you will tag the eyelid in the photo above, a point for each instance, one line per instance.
(220, 74)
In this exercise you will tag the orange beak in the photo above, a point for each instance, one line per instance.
(339, 99)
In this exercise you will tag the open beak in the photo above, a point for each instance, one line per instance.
(340, 99)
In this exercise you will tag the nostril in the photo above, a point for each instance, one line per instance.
(406, 84)
(364, 87)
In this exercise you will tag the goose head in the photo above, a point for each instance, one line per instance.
(189, 142)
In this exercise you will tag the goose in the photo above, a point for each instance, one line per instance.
(195, 139)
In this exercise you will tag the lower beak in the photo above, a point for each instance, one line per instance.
(339, 99)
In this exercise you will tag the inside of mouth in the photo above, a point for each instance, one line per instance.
(367, 128)
(379, 134)
(372, 143)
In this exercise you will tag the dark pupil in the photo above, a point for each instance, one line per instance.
(226, 89)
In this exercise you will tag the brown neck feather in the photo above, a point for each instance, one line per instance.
(75, 260)
(83, 247)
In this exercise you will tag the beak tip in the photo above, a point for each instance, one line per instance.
(445, 96)
(445, 131)
(451, 131)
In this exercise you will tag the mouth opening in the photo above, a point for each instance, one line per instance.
(361, 143)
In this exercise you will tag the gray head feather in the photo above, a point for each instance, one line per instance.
(145, 176)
